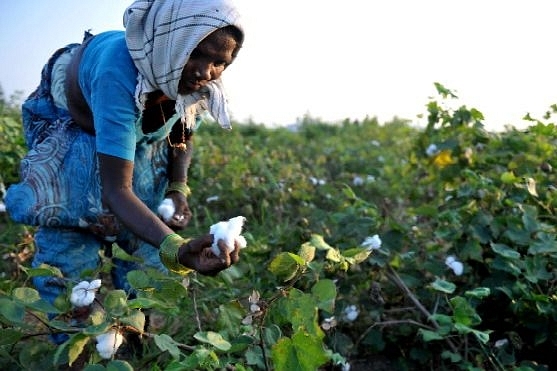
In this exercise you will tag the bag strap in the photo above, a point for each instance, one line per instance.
(77, 105)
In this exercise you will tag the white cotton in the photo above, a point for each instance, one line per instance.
(83, 294)
(229, 231)
(2, 207)
(358, 181)
(455, 265)
(351, 313)
(211, 199)
(241, 240)
(316, 181)
(108, 343)
(372, 243)
(449, 260)
(431, 150)
(167, 209)
(457, 268)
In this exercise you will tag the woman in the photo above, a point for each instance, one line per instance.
(109, 131)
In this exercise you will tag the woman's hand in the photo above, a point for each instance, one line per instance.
(197, 255)
(182, 214)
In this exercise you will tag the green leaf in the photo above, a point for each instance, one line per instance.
(454, 357)
(9, 336)
(443, 286)
(117, 365)
(43, 270)
(76, 345)
(31, 299)
(136, 319)
(12, 311)
(272, 334)
(307, 252)
(545, 244)
(98, 329)
(319, 243)
(144, 303)
(324, 291)
(334, 255)
(505, 251)
(115, 303)
(301, 312)
(463, 312)
(428, 335)
(167, 344)
(121, 254)
(284, 266)
(95, 367)
(301, 353)
(508, 177)
(138, 279)
(478, 292)
(213, 338)
(482, 336)
(26, 295)
(356, 255)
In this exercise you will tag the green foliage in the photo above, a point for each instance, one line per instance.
(306, 293)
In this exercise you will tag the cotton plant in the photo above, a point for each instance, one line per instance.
(108, 343)
(83, 294)
(456, 266)
(230, 231)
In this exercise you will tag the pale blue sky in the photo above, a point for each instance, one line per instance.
(337, 60)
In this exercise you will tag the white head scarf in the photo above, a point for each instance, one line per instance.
(161, 35)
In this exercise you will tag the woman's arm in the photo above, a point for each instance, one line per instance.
(116, 178)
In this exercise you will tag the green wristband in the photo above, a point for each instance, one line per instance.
(168, 253)
(181, 187)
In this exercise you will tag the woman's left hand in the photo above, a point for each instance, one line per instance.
(196, 254)
(182, 215)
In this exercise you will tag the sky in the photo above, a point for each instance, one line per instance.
(336, 60)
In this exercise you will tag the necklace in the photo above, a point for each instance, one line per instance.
(180, 146)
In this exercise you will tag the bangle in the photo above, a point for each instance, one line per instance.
(181, 187)
(168, 253)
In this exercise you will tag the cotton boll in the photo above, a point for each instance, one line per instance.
(108, 343)
(241, 240)
(166, 209)
(454, 264)
(351, 313)
(372, 243)
(83, 294)
(457, 267)
(229, 231)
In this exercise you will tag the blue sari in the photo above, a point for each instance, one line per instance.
(60, 191)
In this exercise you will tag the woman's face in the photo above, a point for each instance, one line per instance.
(207, 61)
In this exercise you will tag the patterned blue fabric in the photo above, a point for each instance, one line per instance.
(60, 185)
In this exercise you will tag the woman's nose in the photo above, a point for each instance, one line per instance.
(203, 73)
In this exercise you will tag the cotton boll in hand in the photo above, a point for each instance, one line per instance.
(230, 231)
(166, 209)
